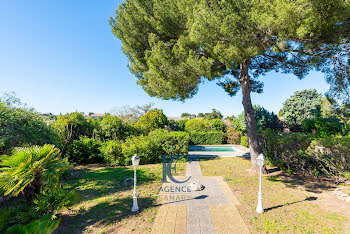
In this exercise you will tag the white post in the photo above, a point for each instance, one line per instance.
(135, 206)
(260, 208)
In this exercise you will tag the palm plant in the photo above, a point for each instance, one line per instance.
(28, 169)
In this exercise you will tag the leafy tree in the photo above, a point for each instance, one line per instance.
(181, 124)
(300, 106)
(216, 125)
(200, 115)
(265, 119)
(215, 114)
(185, 114)
(112, 127)
(153, 120)
(173, 45)
(28, 169)
(71, 127)
(197, 125)
(22, 126)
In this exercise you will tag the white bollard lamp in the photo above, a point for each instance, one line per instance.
(261, 163)
(135, 162)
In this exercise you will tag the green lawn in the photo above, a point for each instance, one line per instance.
(291, 203)
(105, 202)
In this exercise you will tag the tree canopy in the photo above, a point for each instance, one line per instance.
(174, 45)
(300, 106)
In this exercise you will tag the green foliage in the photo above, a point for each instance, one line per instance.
(197, 125)
(298, 152)
(323, 127)
(113, 128)
(72, 126)
(50, 202)
(28, 169)
(332, 157)
(233, 136)
(215, 114)
(265, 119)
(206, 138)
(159, 142)
(244, 141)
(85, 150)
(42, 226)
(216, 125)
(152, 120)
(112, 153)
(22, 126)
(170, 143)
(218, 38)
(181, 124)
(300, 106)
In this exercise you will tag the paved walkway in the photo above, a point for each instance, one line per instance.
(212, 210)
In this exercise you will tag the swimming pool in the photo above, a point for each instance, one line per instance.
(214, 148)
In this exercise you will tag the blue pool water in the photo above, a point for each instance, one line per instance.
(213, 148)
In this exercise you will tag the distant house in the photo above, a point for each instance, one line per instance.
(97, 116)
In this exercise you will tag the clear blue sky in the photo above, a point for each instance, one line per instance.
(60, 56)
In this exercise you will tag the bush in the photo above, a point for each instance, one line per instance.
(244, 141)
(197, 125)
(152, 120)
(112, 128)
(85, 150)
(159, 142)
(28, 169)
(171, 143)
(181, 124)
(21, 126)
(323, 127)
(332, 157)
(113, 153)
(287, 151)
(41, 226)
(206, 138)
(216, 125)
(233, 136)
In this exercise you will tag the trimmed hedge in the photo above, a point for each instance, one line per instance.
(233, 136)
(207, 138)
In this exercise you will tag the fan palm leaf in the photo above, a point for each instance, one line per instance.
(30, 166)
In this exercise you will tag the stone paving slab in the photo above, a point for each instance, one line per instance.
(211, 210)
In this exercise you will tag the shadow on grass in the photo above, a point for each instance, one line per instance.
(308, 183)
(291, 203)
(105, 213)
(103, 182)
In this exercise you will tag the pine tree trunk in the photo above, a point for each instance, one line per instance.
(252, 130)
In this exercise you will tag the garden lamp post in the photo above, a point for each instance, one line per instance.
(135, 162)
(261, 163)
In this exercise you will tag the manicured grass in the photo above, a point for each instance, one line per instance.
(105, 202)
(291, 203)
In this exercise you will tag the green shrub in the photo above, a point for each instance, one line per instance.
(332, 157)
(206, 138)
(28, 169)
(216, 125)
(152, 120)
(113, 153)
(170, 143)
(233, 136)
(142, 146)
(42, 226)
(21, 126)
(181, 124)
(244, 141)
(197, 125)
(85, 150)
(323, 127)
(159, 142)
